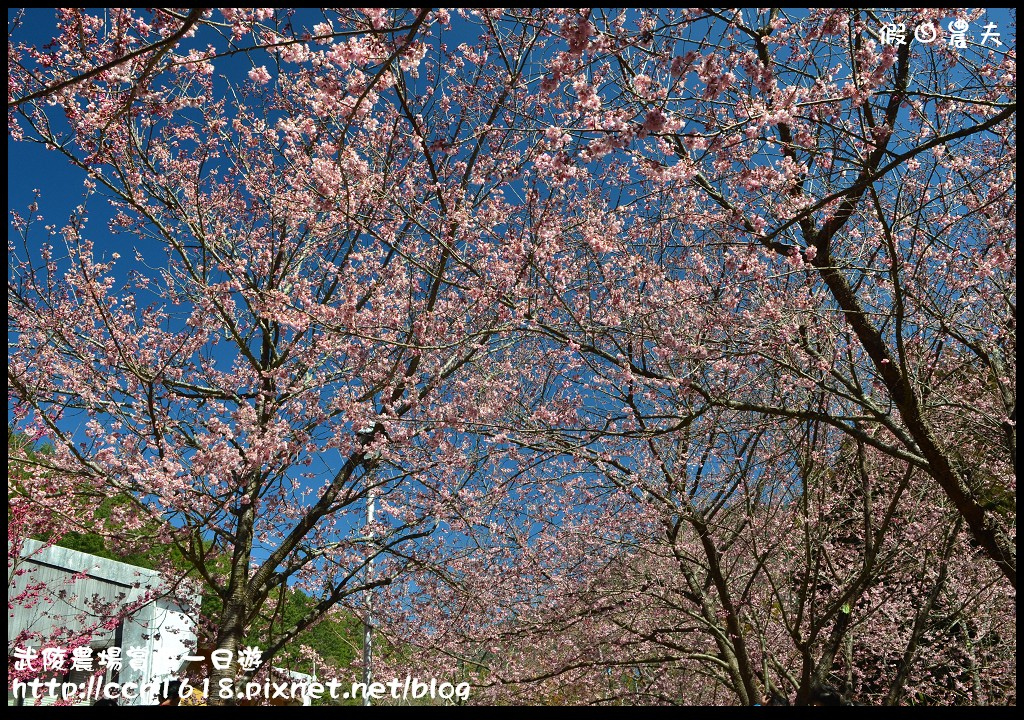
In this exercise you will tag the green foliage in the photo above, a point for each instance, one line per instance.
(337, 638)
(95, 544)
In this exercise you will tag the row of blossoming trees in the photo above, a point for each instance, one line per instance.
(676, 348)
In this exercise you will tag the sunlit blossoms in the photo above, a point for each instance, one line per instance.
(674, 349)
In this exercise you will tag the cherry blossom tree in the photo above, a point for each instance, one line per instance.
(310, 291)
(714, 572)
(706, 248)
(677, 347)
(763, 158)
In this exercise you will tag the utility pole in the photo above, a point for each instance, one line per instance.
(368, 623)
